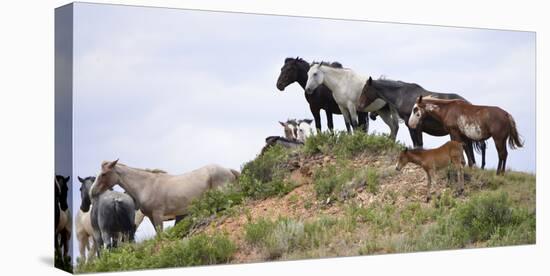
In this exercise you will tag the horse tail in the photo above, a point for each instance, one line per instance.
(514, 140)
(121, 215)
(235, 173)
(479, 146)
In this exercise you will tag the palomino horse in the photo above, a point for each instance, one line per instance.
(474, 122)
(63, 222)
(449, 154)
(295, 70)
(346, 87)
(402, 96)
(161, 195)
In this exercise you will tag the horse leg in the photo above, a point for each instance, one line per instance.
(107, 239)
(353, 116)
(65, 239)
(460, 176)
(157, 221)
(469, 148)
(347, 118)
(363, 121)
(330, 123)
(502, 155)
(428, 195)
(386, 115)
(82, 245)
(316, 116)
(483, 147)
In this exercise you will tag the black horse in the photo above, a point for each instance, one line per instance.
(62, 235)
(402, 96)
(295, 70)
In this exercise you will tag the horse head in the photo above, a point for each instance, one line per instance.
(290, 129)
(304, 129)
(62, 190)
(402, 160)
(106, 178)
(289, 72)
(418, 113)
(86, 184)
(315, 77)
(368, 94)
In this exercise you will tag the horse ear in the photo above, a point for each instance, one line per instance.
(283, 124)
(67, 178)
(369, 82)
(113, 164)
(80, 179)
(308, 121)
(419, 99)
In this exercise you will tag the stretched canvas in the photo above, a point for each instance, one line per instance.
(272, 138)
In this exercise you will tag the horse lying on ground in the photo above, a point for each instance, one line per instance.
(474, 122)
(63, 219)
(278, 140)
(449, 154)
(161, 195)
(297, 130)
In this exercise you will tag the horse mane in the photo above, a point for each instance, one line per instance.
(334, 64)
(433, 99)
(288, 59)
(389, 83)
(155, 171)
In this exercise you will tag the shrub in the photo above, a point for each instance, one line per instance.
(201, 249)
(347, 145)
(265, 176)
(255, 233)
(372, 180)
(330, 180)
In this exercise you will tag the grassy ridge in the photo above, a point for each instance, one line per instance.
(497, 211)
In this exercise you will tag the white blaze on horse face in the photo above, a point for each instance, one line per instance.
(415, 117)
(470, 127)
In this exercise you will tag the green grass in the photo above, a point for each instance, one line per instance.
(346, 145)
(265, 176)
(201, 249)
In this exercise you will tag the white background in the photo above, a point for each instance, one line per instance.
(26, 143)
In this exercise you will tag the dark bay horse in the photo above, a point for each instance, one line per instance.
(402, 97)
(295, 70)
(474, 122)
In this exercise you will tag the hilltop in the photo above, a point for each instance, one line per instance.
(338, 195)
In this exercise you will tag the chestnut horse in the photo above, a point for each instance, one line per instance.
(449, 154)
(468, 121)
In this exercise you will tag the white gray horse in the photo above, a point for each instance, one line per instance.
(161, 195)
(346, 87)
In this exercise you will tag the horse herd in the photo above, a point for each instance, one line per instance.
(109, 216)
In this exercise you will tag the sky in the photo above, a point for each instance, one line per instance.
(179, 89)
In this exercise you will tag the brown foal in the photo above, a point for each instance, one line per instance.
(449, 154)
